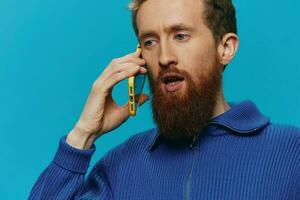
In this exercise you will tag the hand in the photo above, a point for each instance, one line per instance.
(101, 114)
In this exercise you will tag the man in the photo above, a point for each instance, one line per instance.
(203, 147)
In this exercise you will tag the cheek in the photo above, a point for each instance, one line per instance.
(200, 64)
(152, 67)
(152, 73)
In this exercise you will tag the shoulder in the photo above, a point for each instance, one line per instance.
(283, 135)
(283, 130)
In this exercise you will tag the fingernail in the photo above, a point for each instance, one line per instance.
(143, 69)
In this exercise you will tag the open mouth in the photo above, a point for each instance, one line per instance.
(171, 78)
(172, 81)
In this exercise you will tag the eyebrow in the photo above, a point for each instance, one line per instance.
(172, 28)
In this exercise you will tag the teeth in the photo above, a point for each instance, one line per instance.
(173, 83)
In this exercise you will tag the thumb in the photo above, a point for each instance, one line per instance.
(124, 114)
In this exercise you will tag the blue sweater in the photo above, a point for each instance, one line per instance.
(241, 155)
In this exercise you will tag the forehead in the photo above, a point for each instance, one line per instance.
(157, 14)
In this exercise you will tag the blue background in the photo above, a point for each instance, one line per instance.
(52, 51)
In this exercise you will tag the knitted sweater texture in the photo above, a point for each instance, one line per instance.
(239, 155)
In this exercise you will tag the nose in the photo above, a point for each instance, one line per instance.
(166, 55)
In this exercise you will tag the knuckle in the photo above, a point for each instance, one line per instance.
(116, 78)
(113, 78)
(130, 55)
(135, 67)
(132, 70)
(129, 59)
(119, 77)
(114, 60)
(124, 74)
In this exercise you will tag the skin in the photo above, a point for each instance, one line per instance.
(192, 49)
(178, 36)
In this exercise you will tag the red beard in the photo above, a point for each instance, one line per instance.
(183, 114)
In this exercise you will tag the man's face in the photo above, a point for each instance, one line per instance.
(181, 56)
(192, 48)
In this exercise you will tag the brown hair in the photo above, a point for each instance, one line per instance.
(219, 16)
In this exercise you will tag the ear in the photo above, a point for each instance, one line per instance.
(227, 48)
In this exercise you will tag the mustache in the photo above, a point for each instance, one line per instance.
(171, 70)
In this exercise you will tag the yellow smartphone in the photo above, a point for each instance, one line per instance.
(135, 89)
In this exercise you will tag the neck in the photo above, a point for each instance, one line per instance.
(221, 105)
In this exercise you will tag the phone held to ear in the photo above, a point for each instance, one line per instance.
(135, 89)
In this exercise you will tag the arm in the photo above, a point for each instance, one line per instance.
(64, 177)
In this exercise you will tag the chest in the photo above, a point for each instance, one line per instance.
(201, 173)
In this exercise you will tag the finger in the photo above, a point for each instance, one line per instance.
(143, 70)
(138, 61)
(127, 66)
(136, 54)
(118, 65)
(110, 79)
(133, 59)
(126, 73)
(138, 51)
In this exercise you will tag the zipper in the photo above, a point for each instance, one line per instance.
(193, 144)
(188, 182)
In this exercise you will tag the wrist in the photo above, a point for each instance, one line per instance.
(80, 140)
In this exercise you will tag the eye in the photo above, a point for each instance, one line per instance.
(181, 37)
(149, 43)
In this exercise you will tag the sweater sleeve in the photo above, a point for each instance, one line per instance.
(64, 177)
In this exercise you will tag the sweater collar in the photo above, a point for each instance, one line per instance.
(241, 119)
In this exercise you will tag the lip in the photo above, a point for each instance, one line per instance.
(171, 75)
(174, 86)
